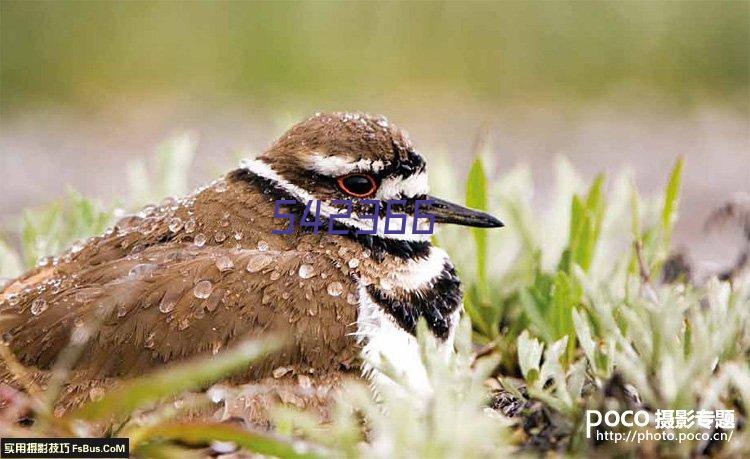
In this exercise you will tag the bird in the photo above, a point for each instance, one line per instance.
(191, 276)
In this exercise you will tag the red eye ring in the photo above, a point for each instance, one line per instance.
(357, 189)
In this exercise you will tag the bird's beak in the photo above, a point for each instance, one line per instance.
(447, 212)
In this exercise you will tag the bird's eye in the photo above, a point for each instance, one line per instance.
(357, 185)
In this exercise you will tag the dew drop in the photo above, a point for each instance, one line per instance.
(38, 306)
(200, 239)
(76, 247)
(221, 186)
(262, 245)
(203, 289)
(168, 202)
(13, 299)
(335, 288)
(190, 226)
(122, 311)
(44, 261)
(306, 271)
(220, 236)
(149, 341)
(280, 371)
(87, 294)
(224, 263)
(166, 306)
(175, 224)
(353, 263)
(257, 263)
(141, 270)
(238, 236)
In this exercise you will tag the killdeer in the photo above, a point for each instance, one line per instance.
(193, 275)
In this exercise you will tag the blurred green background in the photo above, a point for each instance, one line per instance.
(93, 53)
(86, 87)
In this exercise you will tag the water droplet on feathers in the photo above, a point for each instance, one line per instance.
(87, 294)
(238, 236)
(220, 236)
(335, 288)
(262, 245)
(200, 239)
(43, 261)
(203, 289)
(353, 263)
(258, 262)
(149, 341)
(306, 271)
(38, 307)
(76, 247)
(141, 270)
(220, 186)
(175, 224)
(190, 226)
(167, 305)
(280, 371)
(224, 263)
(13, 299)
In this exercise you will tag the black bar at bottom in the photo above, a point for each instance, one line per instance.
(82, 448)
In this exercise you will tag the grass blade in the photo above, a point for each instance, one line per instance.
(476, 198)
(671, 198)
(203, 433)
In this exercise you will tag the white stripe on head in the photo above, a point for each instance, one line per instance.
(263, 169)
(400, 187)
(335, 166)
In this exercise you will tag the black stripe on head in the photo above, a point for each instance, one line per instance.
(405, 163)
(379, 246)
(435, 303)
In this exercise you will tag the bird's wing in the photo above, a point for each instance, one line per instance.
(175, 300)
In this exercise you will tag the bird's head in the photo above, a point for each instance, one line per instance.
(354, 157)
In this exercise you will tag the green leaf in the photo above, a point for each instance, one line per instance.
(175, 380)
(203, 433)
(476, 198)
(586, 217)
(671, 198)
(529, 354)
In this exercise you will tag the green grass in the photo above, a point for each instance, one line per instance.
(287, 53)
(562, 318)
